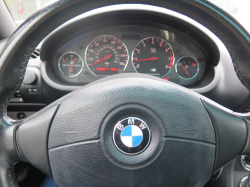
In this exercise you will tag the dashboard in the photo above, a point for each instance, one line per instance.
(165, 53)
(126, 41)
(161, 44)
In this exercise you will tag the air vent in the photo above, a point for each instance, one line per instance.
(35, 54)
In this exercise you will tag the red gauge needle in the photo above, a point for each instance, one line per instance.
(185, 70)
(72, 66)
(101, 60)
(147, 59)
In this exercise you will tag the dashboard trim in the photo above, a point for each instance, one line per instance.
(224, 54)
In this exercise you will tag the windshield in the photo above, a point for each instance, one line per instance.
(239, 9)
(22, 9)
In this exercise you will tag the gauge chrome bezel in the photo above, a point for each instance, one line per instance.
(244, 164)
(132, 56)
(59, 67)
(100, 37)
(198, 68)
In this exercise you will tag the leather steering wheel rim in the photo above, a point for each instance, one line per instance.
(17, 50)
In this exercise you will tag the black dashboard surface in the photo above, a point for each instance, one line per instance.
(189, 60)
(184, 37)
(187, 39)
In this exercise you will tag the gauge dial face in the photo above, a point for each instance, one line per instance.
(106, 55)
(153, 56)
(70, 64)
(187, 68)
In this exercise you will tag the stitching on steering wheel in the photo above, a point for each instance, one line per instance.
(234, 59)
(26, 60)
(240, 75)
(17, 86)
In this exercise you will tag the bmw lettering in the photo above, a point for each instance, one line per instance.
(131, 135)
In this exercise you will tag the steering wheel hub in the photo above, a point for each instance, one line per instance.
(144, 126)
(131, 135)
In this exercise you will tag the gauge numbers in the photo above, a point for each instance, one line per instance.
(187, 68)
(153, 56)
(70, 64)
(106, 55)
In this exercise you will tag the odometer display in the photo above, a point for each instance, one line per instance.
(106, 55)
(153, 56)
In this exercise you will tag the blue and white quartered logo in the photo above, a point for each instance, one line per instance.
(131, 135)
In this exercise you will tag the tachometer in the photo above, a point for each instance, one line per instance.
(70, 64)
(106, 55)
(153, 56)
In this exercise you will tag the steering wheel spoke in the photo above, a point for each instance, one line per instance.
(32, 139)
(180, 136)
(8, 153)
(128, 126)
(231, 131)
(185, 134)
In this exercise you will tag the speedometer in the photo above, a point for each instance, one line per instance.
(106, 55)
(153, 56)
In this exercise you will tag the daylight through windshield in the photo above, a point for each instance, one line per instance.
(22, 9)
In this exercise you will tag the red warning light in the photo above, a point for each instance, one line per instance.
(193, 64)
(114, 69)
(166, 79)
(107, 69)
(100, 69)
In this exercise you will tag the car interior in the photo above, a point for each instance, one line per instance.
(124, 93)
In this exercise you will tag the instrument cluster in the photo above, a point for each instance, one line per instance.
(166, 54)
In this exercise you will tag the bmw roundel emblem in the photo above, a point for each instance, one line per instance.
(131, 135)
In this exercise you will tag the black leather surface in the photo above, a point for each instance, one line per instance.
(8, 154)
(226, 179)
(231, 134)
(187, 130)
(17, 50)
(32, 139)
(181, 110)
(83, 164)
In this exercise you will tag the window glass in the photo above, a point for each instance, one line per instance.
(22, 9)
(238, 8)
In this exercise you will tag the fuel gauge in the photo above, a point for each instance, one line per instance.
(187, 68)
(70, 64)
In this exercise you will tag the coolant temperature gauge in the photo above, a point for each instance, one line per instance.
(187, 68)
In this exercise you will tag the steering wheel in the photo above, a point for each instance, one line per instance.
(181, 136)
